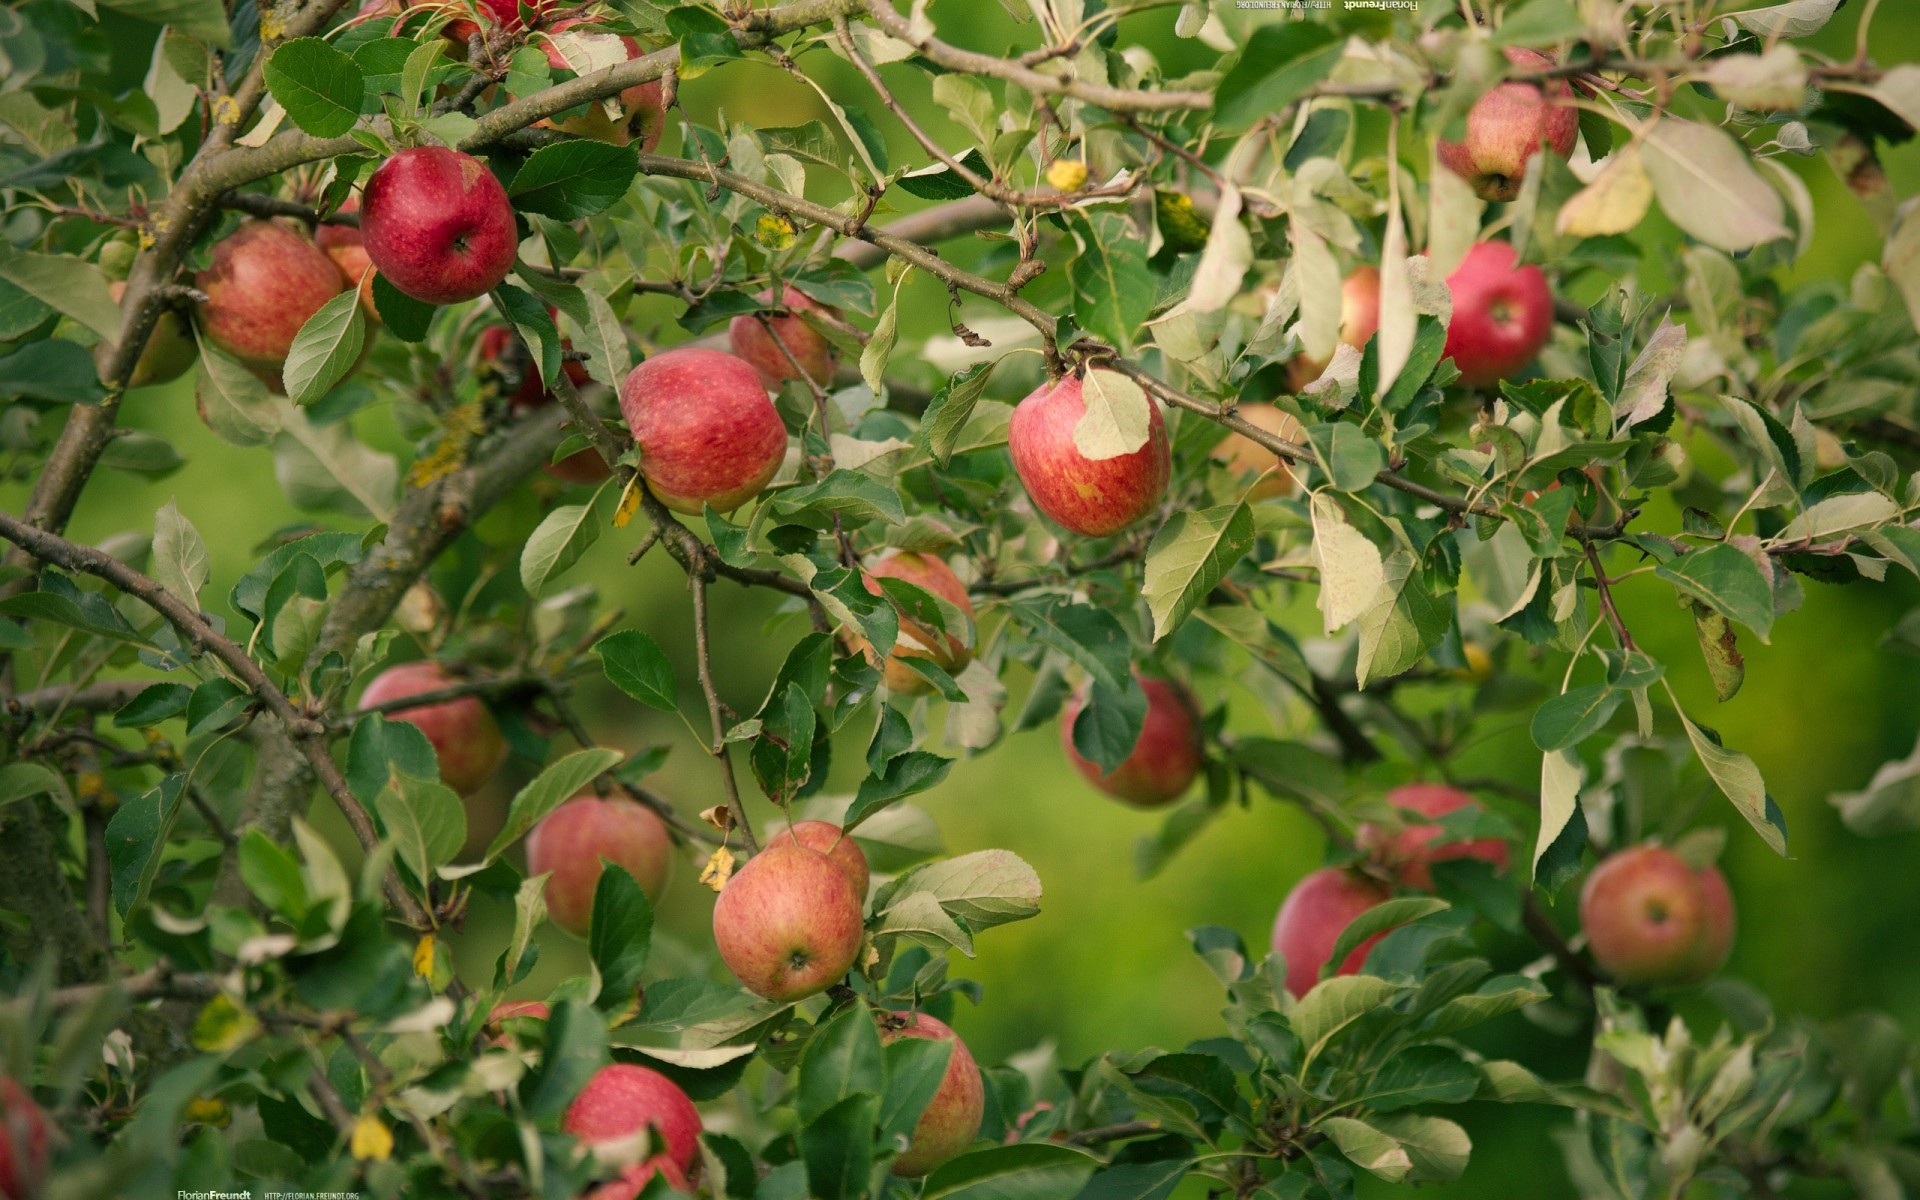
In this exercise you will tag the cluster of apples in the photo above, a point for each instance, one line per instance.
(1650, 917)
(789, 924)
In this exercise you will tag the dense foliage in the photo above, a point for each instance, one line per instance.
(1300, 332)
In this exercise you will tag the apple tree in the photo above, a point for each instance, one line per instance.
(1296, 413)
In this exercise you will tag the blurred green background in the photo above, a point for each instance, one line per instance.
(1106, 964)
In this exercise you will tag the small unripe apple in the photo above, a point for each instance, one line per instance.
(23, 1143)
(944, 650)
(1502, 314)
(1088, 496)
(169, 351)
(621, 1102)
(829, 839)
(1243, 456)
(1651, 917)
(788, 924)
(465, 737)
(1409, 852)
(348, 250)
(1312, 918)
(495, 1028)
(951, 1120)
(642, 108)
(1359, 321)
(1508, 125)
(808, 347)
(262, 285)
(707, 431)
(582, 466)
(437, 224)
(1164, 760)
(571, 841)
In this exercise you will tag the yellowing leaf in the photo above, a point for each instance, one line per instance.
(629, 503)
(718, 870)
(1066, 174)
(423, 957)
(371, 1139)
(1351, 570)
(1613, 203)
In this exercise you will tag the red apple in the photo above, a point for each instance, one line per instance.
(348, 250)
(489, 16)
(618, 1105)
(465, 737)
(263, 284)
(634, 1180)
(829, 839)
(1651, 917)
(1718, 943)
(1408, 852)
(1164, 760)
(805, 345)
(582, 466)
(23, 1143)
(1508, 125)
(1091, 497)
(788, 924)
(1243, 456)
(1311, 919)
(437, 224)
(1359, 321)
(533, 1010)
(707, 432)
(944, 650)
(1502, 314)
(169, 351)
(642, 113)
(571, 841)
(951, 1120)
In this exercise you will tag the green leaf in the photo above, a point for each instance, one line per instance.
(1727, 581)
(1189, 556)
(851, 495)
(403, 316)
(202, 19)
(180, 561)
(619, 935)
(1739, 780)
(535, 325)
(1560, 775)
(565, 534)
(548, 791)
(837, 1148)
(1495, 998)
(425, 820)
(214, 704)
(60, 610)
(705, 40)
(233, 401)
(1108, 728)
(576, 1048)
(950, 407)
(1350, 458)
(19, 780)
(1573, 716)
(1332, 1006)
(272, 875)
(72, 286)
(1024, 1171)
(136, 835)
(983, 889)
(1089, 636)
(1280, 61)
(875, 355)
(637, 666)
(915, 1069)
(574, 179)
(1405, 622)
(320, 87)
(1418, 1075)
(1118, 419)
(326, 348)
(1389, 914)
(842, 1059)
(903, 776)
(941, 182)
(1438, 1147)
(153, 705)
(1113, 290)
(1368, 1148)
